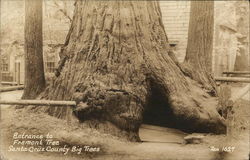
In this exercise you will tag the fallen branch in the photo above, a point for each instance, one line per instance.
(11, 83)
(12, 88)
(236, 72)
(38, 102)
(232, 79)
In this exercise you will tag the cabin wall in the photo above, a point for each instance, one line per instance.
(175, 17)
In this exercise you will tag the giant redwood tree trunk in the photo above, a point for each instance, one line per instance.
(198, 60)
(34, 69)
(114, 60)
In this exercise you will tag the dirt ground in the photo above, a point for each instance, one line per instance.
(159, 143)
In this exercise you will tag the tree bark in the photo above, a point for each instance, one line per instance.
(115, 60)
(34, 67)
(198, 60)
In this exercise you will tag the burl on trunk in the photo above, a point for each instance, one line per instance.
(114, 60)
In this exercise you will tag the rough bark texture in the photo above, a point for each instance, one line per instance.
(198, 60)
(114, 61)
(34, 69)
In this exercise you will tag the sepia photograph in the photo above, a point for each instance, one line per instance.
(124, 80)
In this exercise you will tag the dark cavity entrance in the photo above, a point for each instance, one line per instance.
(158, 111)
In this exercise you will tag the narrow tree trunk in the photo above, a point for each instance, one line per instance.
(198, 60)
(115, 60)
(34, 69)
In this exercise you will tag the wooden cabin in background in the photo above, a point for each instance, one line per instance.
(175, 17)
(55, 29)
(231, 33)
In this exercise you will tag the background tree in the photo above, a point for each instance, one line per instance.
(113, 63)
(242, 21)
(34, 67)
(198, 60)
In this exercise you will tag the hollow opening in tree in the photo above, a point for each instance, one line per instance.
(157, 110)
